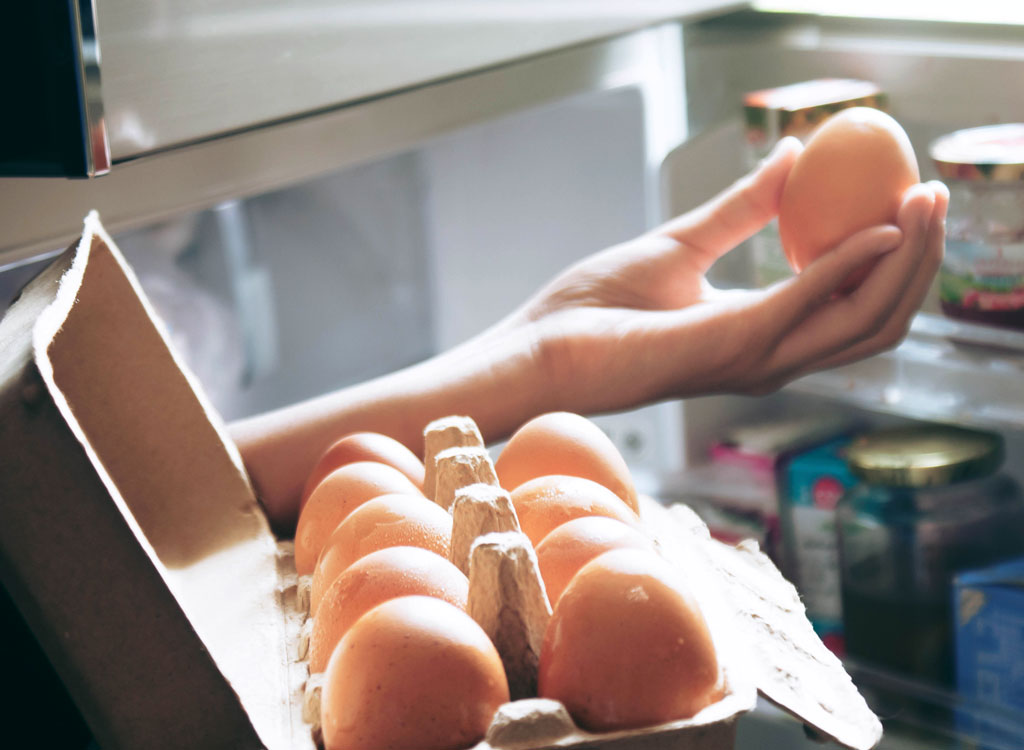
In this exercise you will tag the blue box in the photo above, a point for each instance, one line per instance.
(988, 607)
(813, 483)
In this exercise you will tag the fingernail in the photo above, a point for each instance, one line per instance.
(892, 240)
(783, 144)
(940, 188)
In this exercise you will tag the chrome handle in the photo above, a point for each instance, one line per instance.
(87, 56)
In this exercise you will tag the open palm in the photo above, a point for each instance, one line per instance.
(639, 321)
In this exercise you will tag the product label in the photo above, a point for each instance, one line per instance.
(817, 556)
(990, 656)
(981, 278)
(816, 481)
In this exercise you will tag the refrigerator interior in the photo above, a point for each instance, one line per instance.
(939, 78)
(285, 294)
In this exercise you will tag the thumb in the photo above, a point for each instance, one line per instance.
(739, 211)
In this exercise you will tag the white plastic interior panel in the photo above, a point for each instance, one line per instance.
(939, 76)
(183, 71)
(295, 292)
(514, 201)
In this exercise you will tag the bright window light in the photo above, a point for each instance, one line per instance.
(976, 11)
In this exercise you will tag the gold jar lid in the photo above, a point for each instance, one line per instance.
(924, 456)
(990, 153)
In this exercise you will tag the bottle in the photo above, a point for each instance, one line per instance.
(982, 275)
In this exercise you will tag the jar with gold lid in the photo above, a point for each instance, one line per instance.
(982, 276)
(930, 502)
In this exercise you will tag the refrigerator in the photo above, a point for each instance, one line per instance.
(313, 194)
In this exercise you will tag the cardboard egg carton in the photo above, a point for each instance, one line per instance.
(133, 544)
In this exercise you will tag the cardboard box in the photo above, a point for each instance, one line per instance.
(742, 479)
(813, 483)
(989, 635)
(797, 108)
(132, 542)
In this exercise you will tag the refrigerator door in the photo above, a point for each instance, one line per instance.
(176, 73)
(53, 121)
(41, 215)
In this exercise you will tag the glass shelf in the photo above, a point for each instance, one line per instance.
(945, 370)
(915, 716)
(971, 334)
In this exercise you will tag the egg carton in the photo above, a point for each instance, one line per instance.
(134, 545)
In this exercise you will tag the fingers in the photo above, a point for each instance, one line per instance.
(714, 228)
(753, 341)
(915, 294)
(801, 295)
(865, 313)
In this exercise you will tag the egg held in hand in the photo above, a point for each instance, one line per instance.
(569, 547)
(363, 446)
(341, 492)
(546, 502)
(413, 673)
(851, 175)
(565, 443)
(627, 646)
(385, 521)
(374, 579)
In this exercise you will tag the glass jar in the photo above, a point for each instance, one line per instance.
(982, 276)
(930, 503)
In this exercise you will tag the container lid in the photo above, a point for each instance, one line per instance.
(924, 456)
(993, 153)
(810, 94)
(798, 108)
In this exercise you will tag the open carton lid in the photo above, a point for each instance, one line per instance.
(769, 637)
(163, 609)
(137, 551)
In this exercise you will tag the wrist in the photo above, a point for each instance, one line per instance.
(496, 378)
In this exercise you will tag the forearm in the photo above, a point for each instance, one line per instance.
(491, 378)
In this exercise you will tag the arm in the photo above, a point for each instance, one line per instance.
(490, 378)
(629, 325)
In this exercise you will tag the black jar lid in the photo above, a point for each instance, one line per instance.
(924, 456)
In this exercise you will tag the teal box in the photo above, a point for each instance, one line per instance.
(988, 606)
(813, 483)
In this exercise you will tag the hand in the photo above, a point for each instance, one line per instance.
(639, 322)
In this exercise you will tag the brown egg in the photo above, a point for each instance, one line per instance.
(546, 502)
(572, 545)
(364, 446)
(413, 672)
(374, 579)
(569, 444)
(341, 492)
(627, 646)
(851, 175)
(385, 521)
